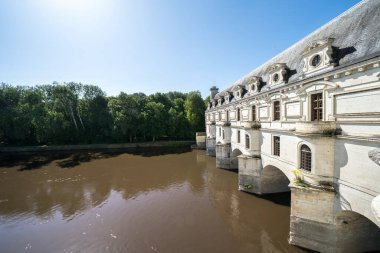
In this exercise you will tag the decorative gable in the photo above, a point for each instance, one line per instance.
(317, 57)
(227, 97)
(278, 74)
(213, 103)
(239, 91)
(253, 84)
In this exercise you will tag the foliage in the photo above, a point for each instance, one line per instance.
(73, 113)
(298, 179)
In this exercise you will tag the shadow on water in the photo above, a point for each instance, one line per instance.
(282, 198)
(70, 159)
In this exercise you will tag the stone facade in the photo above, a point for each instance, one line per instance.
(308, 121)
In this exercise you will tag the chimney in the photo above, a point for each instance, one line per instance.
(214, 91)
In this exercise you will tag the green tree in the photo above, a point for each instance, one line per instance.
(195, 108)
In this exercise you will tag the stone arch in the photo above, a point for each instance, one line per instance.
(274, 180)
(236, 152)
(356, 233)
(234, 160)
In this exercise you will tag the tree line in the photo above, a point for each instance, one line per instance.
(75, 113)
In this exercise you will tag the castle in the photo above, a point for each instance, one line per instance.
(308, 121)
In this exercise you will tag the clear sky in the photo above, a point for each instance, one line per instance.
(150, 45)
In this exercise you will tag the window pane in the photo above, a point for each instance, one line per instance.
(305, 158)
(316, 106)
(276, 110)
(276, 145)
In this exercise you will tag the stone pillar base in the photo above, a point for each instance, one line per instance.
(210, 147)
(317, 222)
(224, 159)
(312, 234)
(249, 174)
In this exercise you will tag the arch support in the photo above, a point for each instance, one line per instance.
(318, 222)
(255, 179)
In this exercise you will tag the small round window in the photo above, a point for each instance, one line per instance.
(316, 60)
(275, 78)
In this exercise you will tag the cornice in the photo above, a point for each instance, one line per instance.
(331, 75)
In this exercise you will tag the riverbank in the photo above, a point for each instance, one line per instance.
(114, 146)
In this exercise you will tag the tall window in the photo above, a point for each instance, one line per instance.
(223, 134)
(253, 113)
(227, 116)
(316, 106)
(305, 158)
(220, 131)
(247, 141)
(220, 116)
(276, 145)
(238, 136)
(238, 114)
(276, 110)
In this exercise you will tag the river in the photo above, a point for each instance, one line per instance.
(140, 202)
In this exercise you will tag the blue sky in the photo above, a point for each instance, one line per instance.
(150, 45)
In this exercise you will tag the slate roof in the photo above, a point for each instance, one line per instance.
(356, 34)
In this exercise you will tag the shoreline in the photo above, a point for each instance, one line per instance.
(82, 147)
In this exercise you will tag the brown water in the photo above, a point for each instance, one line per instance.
(135, 203)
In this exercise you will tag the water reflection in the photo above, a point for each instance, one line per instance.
(138, 203)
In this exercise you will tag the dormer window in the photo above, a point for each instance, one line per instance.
(277, 74)
(317, 57)
(227, 97)
(239, 91)
(253, 84)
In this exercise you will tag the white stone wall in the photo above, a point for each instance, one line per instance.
(351, 109)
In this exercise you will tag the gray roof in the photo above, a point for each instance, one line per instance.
(356, 34)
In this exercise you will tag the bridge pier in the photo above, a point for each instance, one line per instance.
(318, 222)
(224, 157)
(210, 146)
(211, 139)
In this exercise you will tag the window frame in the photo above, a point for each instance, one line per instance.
(276, 145)
(276, 113)
(316, 106)
(306, 156)
(253, 113)
(247, 141)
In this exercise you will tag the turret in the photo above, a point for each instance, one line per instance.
(214, 91)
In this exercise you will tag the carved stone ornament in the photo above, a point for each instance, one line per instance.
(277, 73)
(253, 84)
(317, 57)
(227, 96)
(239, 91)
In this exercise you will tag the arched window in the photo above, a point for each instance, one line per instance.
(305, 158)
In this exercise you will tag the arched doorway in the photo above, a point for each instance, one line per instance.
(273, 180)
